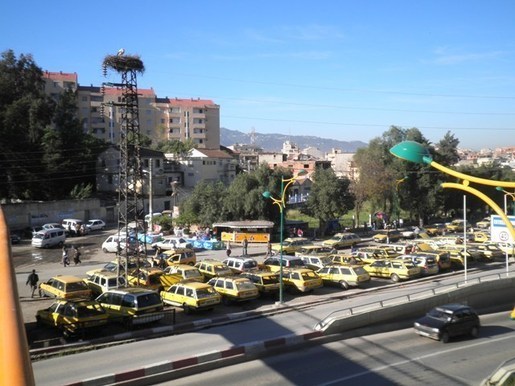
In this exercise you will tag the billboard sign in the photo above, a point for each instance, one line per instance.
(499, 231)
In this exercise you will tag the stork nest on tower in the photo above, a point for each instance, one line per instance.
(124, 63)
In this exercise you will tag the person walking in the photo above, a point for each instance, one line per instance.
(33, 280)
(245, 245)
(228, 249)
(76, 255)
(65, 259)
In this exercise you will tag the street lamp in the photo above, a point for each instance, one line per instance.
(282, 204)
(415, 152)
(506, 194)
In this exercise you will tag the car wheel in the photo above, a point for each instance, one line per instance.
(186, 308)
(474, 332)
(226, 301)
(445, 337)
(60, 245)
(395, 278)
(105, 250)
(39, 322)
(344, 285)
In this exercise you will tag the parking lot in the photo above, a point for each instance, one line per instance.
(47, 263)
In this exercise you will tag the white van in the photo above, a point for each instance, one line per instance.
(47, 238)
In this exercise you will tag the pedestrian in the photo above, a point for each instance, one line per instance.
(33, 280)
(300, 232)
(65, 260)
(76, 255)
(268, 249)
(245, 244)
(228, 249)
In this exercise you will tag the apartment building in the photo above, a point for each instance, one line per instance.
(160, 119)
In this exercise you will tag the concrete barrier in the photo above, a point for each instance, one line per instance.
(489, 294)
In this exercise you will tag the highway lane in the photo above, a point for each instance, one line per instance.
(395, 358)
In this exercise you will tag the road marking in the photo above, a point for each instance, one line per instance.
(384, 367)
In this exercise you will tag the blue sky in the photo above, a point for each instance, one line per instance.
(345, 69)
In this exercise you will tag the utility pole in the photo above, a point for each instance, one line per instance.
(130, 201)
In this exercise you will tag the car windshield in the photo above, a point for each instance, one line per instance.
(296, 263)
(250, 264)
(191, 273)
(439, 314)
(205, 293)
(308, 275)
(220, 268)
(326, 260)
(77, 286)
(244, 285)
(270, 280)
(360, 270)
(90, 310)
(146, 300)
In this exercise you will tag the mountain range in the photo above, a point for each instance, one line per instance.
(274, 142)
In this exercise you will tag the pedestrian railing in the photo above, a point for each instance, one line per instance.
(403, 299)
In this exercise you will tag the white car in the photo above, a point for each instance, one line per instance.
(96, 224)
(172, 243)
(110, 245)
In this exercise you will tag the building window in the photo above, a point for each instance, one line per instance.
(84, 98)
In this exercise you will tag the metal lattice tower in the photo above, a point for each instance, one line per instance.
(130, 200)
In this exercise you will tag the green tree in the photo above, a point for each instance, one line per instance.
(25, 111)
(179, 148)
(43, 153)
(329, 198)
(204, 205)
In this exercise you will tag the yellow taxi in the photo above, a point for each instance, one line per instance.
(132, 306)
(234, 289)
(350, 259)
(301, 280)
(488, 251)
(512, 315)
(66, 287)
(152, 278)
(396, 270)
(344, 276)
(291, 245)
(187, 272)
(314, 250)
(342, 240)
(387, 236)
(456, 226)
(481, 237)
(176, 256)
(212, 268)
(437, 229)
(266, 282)
(386, 252)
(73, 316)
(191, 296)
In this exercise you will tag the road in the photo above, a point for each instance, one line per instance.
(396, 358)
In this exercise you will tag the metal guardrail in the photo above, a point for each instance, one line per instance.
(403, 299)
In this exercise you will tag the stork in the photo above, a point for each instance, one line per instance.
(121, 51)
